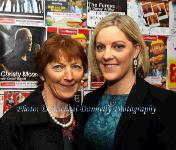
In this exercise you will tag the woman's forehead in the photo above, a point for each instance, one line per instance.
(66, 58)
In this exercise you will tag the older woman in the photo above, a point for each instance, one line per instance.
(45, 120)
(126, 112)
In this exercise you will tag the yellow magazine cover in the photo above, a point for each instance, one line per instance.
(171, 57)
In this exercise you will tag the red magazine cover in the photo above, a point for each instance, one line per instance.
(12, 98)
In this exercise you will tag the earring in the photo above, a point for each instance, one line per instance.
(135, 64)
(42, 78)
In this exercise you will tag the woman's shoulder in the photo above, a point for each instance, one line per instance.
(163, 99)
(11, 118)
(94, 96)
(161, 93)
(152, 92)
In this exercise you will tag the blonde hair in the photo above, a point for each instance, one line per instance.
(130, 28)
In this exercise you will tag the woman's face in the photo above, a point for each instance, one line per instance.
(63, 78)
(114, 54)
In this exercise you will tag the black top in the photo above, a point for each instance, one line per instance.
(28, 126)
(142, 131)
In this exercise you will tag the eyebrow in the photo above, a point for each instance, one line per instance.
(112, 42)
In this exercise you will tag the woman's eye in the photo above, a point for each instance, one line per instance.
(77, 67)
(58, 68)
(118, 46)
(100, 47)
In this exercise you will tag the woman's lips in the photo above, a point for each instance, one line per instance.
(67, 85)
(110, 65)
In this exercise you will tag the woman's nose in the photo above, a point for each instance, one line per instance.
(68, 74)
(108, 54)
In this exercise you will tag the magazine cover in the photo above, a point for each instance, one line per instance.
(80, 35)
(171, 60)
(157, 48)
(66, 13)
(16, 62)
(13, 97)
(151, 16)
(1, 103)
(97, 9)
(22, 12)
(85, 92)
(172, 16)
(96, 82)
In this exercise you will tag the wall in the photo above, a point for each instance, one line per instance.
(156, 19)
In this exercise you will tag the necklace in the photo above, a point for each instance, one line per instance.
(115, 102)
(54, 118)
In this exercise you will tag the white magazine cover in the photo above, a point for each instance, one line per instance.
(151, 16)
(22, 12)
(172, 15)
(97, 9)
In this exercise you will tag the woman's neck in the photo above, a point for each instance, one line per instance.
(122, 86)
(57, 107)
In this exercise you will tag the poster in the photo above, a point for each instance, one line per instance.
(1, 104)
(172, 16)
(66, 13)
(97, 9)
(16, 63)
(22, 12)
(157, 49)
(151, 16)
(96, 82)
(12, 97)
(171, 60)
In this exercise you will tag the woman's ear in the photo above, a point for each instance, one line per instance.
(85, 77)
(137, 50)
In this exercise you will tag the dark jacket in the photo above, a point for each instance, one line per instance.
(142, 131)
(28, 126)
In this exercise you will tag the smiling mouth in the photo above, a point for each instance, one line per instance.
(67, 85)
(109, 66)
